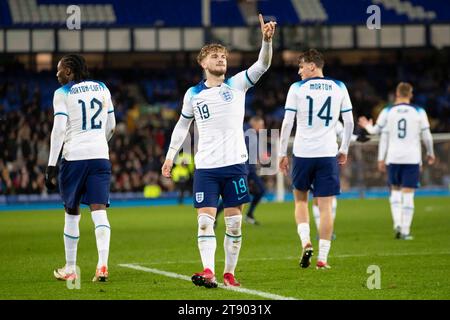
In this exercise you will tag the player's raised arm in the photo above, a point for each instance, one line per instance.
(267, 30)
(56, 138)
(254, 73)
(178, 135)
(265, 54)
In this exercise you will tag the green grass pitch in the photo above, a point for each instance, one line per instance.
(165, 238)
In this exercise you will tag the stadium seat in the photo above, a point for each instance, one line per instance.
(62, 13)
(31, 12)
(53, 13)
(310, 11)
(229, 13)
(109, 14)
(44, 13)
(249, 11)
(412, 11)
(100, 12)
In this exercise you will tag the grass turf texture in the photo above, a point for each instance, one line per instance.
(165, 238)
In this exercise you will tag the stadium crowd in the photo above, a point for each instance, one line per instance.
(147, 104)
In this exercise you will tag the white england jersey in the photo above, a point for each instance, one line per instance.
(86, 105)
(318, 103)
(219, 115)
(404, 124)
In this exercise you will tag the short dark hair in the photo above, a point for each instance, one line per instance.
(77, 64)
(314, 56)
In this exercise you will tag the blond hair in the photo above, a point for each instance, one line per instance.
(404, 90)
(213, 47)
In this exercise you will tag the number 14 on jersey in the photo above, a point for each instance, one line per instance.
(326, 108)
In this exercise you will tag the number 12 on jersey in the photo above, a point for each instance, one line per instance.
(326, 108)
(83, 113)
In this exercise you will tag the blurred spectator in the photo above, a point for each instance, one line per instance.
(181, 177)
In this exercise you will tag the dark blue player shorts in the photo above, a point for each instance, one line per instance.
(404, 175)
(85, 181)
(228, 182)
(321, 175)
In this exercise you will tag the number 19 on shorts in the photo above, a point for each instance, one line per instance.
(240, 186)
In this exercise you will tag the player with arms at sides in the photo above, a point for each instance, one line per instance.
(83, 122)
(401, 126)
(218, 105)
(316, 102)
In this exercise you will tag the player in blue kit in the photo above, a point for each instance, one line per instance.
(83, 124)
(218, 106)
(316, 102)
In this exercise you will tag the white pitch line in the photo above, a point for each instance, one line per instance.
(297, 257)
(183, 277)
(401, 254)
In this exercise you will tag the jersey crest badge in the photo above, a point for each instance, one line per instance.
(199, 196)
(226, 94)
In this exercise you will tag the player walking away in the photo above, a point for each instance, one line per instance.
(83, 122)
(401, 127)
(317, 102)
(361, 137)
(257, 188)
(218, 106)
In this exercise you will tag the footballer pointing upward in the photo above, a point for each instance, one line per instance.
(217, 104)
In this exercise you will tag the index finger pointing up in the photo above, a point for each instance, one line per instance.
(261, 21)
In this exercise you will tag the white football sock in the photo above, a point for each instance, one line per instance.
(206, 240)
(71, 237)
(103, 236)
(303, 231)
(396, 207)
(324, 249)
(316, 214)
(232, 242)
(407, 212)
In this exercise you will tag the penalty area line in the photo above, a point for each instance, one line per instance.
(186, 278)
